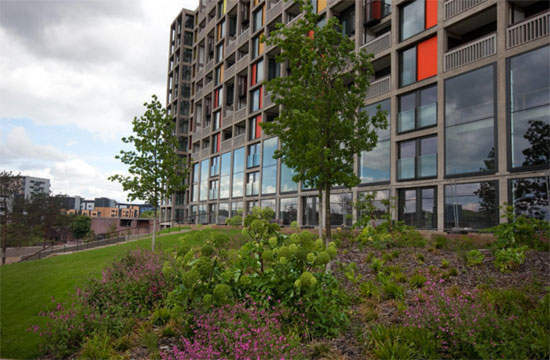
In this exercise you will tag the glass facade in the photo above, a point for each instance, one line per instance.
(225, 175)
(374, 166)
(472, 206)
(269, 203)
(204, 181)
(287, 184)
(417, 207)
(417, 158)
(469, 122)
(223, 212)
(378, 202)
(407, 73)
(253, 158)
(530, 197)
(310, 211)
(417, 110)
(238, 172)
(411, 19)
(529, 94)
(269, 167)
(288, 210)
(341, 209)
(252, 183)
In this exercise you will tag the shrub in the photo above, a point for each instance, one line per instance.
(397, 342)
(420, 258)
(392, 290)
(410, 238)
(376, 265)
(417, 280)
(97, 347)
(510, 258)
(474, 257)
(369, 290)
(444, 264)
(441, 242)
(235, 332)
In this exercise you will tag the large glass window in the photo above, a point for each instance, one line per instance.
(374, 166)
(347, 20)
(310, 211)
(288, 210)
(223, 212)
(238, 172)
(225, 174)
(472, 206)
(529, 81)
(417, 158)
(236, 207)
(341, 209)
(253, 159)
(530, 197)
(417, 109)
(381, 209)
(204, 180)
(252, 183)
(469, 122)
(269, 203)
(256, 103)
(269, 167)
(417, 207)
(258, 19)
(287, 184)
(411, 19)
(213, 190)
(215, 166)
(407, 60)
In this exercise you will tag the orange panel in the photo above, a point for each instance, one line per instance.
(258, 126)
(321, 5)
(253, 77)
(261, 44)
(426, 59)
(431, 13)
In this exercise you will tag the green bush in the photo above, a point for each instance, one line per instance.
(376, 265)
(474, 257)
(509, 259)
(397, 342)
(417, 280)
(392, 290)
(444, 264)
(441, 242)
(97, 347)
(369, 289)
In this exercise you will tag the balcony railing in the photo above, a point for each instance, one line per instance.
(231, 45)
(243, 37)
(378, 44)
(267, 100)
(274, 11)
(427, 165)
(379, 87)
(470, 52)
(528, 30)
(227, 144)
(238, 140)
(455, 7)
(230, 72)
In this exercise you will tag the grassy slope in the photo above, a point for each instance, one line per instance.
(26, 290)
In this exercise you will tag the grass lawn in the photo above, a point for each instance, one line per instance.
(26, 289)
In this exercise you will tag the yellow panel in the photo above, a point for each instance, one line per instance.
(221, 73)
(261, 44)
(224, 6)
(321, 5)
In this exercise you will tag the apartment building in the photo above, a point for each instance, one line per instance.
(466, 84)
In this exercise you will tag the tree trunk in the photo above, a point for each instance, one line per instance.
(154, 230)
(327, 215)
(320, 213)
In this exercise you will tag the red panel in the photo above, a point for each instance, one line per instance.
(190, 141)
(216, 98)
(258, 126)
(219, 138)
(426, 59)
(431, 13)
(253, 79)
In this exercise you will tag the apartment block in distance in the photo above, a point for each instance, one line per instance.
(465, 84)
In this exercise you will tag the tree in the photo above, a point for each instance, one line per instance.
(146, 214)
(320, 125)
(81, 226)
(10, 186)
(155, 168)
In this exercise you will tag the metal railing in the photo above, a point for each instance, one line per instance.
(455, 7)
(379, 87)
(470, 52)
(378, 44)
(528, 30)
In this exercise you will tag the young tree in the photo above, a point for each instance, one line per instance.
(81, 226)
(155, 168)
(320, 125)
(10, 186)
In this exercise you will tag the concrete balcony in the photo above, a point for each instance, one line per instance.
(267, 100)
(226, 145)
(230, 72)
(209, 66)
(378, 44)
(231, 45)
(470, 52)
(242, 63)
(207, 89)
(198, 94)
(239, 140)
(455, 7)
(274, 11)
(379, 87)
(241, 114)
(204, 153)
(528, 30)
(243, 38)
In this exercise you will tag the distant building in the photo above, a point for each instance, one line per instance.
(33, 185)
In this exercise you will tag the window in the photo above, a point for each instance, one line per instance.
(225, 173)
(187, 55)
(341, 209)
(469, 122)
(417, 110)
(217, 120)
(253, 159)
(417, 158)
(215, 166)
(472, 206)
(216, 142)
(418, 62)
(347, 21)
(274, 70)
(257, 46)
(252, 182)
(381, 209)
(219, 53)
(374, 166)
(221, 30)
(287, 184)
(189, 21)
(196, 181)
(417, 16)
(269, 203)
(236, 207)
(204, 181)
(188, 38)
(256, 100)
(529, 196)
(417, 207)
(529, 81)
(185, 90)
(258, 20)
(269, 167)
(288, 210)
(218, 75)
(184, 108)
(238, 172)
(310, 211)
(254, 128)
(223, 212)
(257, 73)
(186, 72)
(213, 190)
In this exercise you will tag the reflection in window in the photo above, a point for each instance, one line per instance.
(411, 19)
(469, 122)
(374, 166)
(225, 174)
(236, 207)
(341, 209)
(238, 172)
(310, 211)
(223, 212)
(287, 184)
(288, 210)
(417, 109)
(417, 207)
(204, 180)
(407, 60)
(269, 167)
(381, 209)
(253, 158)
(530, 108)
(471, 205)
(417, 158)
(530, 197)
(252, 183)
(269, 203)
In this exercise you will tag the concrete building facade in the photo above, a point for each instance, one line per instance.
(465, 83)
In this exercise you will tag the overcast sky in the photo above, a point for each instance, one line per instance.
(73, 74)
